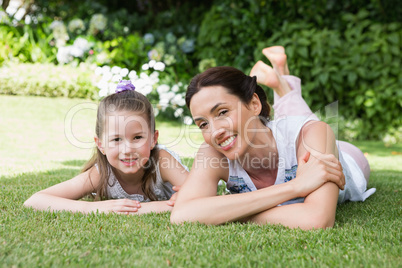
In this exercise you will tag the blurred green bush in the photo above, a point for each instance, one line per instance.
(48, 80)
(359, 67)
(341, 51)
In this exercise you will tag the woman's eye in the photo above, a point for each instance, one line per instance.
(137, 137)
(222, 112)
(202, 125)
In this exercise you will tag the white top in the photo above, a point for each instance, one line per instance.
(286, 131)
(163, 190)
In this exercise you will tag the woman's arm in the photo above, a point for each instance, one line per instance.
(197, 200)
(65, 195)
(318, 209)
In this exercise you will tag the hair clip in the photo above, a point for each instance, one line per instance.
(124, 85)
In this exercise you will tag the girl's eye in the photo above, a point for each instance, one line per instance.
(116, 139)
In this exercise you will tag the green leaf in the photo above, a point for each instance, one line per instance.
(369, 102)
(303, 52)
(393, 38)
(352, 77)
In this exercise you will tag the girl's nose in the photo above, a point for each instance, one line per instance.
(128, 148)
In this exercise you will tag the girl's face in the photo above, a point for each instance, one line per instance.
(225, 121)
(127, 141)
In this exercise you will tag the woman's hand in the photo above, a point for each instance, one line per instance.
(316, 169)
(173, 198)
(119, 206)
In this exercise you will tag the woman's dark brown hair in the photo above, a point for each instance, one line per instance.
(132, 101)
(235, 81)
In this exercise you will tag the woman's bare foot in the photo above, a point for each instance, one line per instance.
(269, 77)
(276, 55)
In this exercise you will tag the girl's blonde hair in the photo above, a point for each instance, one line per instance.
(131, 101)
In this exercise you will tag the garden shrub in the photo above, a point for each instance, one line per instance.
(25, 44)
(48, 80)
(360, 67)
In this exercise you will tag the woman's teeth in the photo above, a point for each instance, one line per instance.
(227, 142)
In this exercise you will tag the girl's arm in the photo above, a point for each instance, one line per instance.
(318, 209)
(171, 170)
(197, 200)
(65, 195)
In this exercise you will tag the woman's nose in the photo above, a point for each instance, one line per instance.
(217, 131)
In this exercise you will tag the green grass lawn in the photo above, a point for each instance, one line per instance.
(36, 153)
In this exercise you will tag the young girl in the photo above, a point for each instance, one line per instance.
(284, 171)
(128, 166)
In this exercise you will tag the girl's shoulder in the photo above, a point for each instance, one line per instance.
(168, 156)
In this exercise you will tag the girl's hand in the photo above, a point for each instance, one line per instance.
(119, 206)
(173, 198)
(315, 170)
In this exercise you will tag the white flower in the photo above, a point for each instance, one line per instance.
(56, 24)
(82, 44)
(103, 93)
(76, 25)
(116, 78)
(156, 111)
(76, 52)
(149, 38)
(175, 88)
(145, 90)
(103, 85)
(132, 75)
(107, 76)
(112, 88)
(164, 98)
(145, 66)
(116, 69)
(187, 120)
(151, 63)
(154, 75)
(159, 66)
(98, 71)
(179, 100)
(64, 55)
(162, 89)
(144, 76)
(98, 22)
(124, 72)
(106, 69)
(178, 112)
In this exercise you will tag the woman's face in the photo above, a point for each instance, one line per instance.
(225, 121)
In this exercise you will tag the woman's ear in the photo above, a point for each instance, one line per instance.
(98, 143)
(255, 104)
(155, 138)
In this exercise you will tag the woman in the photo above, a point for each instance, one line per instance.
(256, 157)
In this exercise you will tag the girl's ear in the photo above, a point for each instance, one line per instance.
(255, 104)
(98, 143)
(155, 139)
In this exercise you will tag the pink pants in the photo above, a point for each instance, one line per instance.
(294, 104)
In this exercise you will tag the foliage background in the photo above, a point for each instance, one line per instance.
(347, 52)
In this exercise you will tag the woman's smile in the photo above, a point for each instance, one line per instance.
(228, 143)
